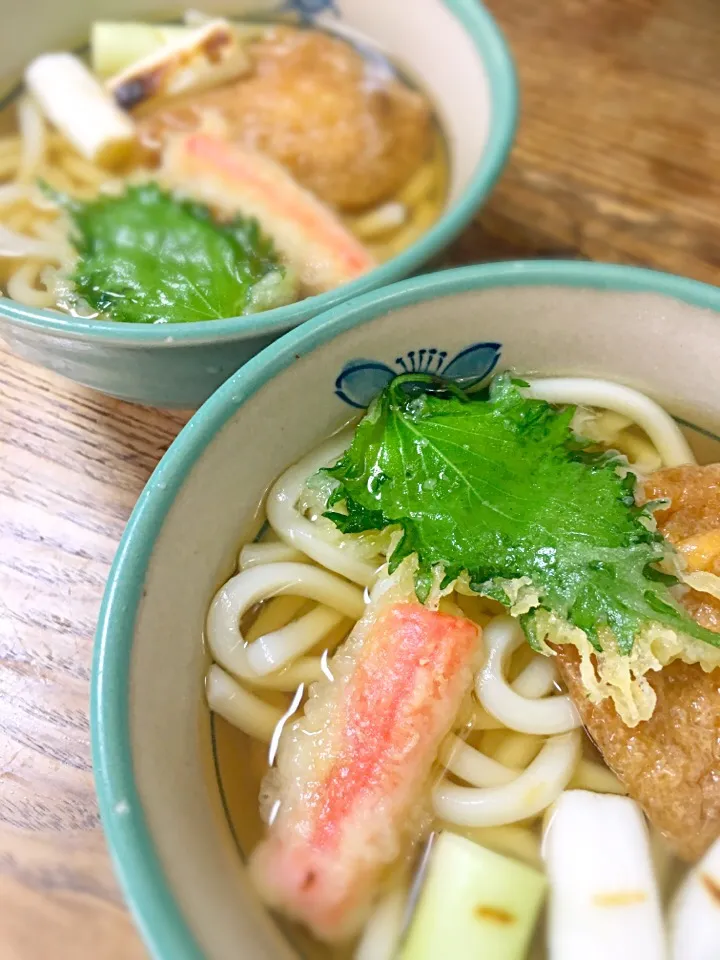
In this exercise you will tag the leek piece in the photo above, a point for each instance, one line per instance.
(474, 903)
(75, 102)
(115, 46)
(604, 902)
(695, 913)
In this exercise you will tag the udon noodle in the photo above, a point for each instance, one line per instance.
(518, 741)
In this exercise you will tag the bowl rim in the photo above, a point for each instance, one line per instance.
(134, 858)
(495, 54)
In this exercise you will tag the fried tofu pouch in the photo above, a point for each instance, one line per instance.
(692, 523)
(671, 763)
(343, 127)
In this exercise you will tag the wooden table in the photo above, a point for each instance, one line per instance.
(617, 159)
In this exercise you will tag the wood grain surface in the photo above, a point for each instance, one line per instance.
(617, 159)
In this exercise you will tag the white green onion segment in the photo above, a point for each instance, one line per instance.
(695, 913)
(604, 902)
(474, 904)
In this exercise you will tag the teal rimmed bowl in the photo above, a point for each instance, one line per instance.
(453, 48)
(161, 798)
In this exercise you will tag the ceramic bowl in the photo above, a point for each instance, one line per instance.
(163, 807)
(458, 56)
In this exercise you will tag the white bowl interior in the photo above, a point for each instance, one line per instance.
(429, 44)
(665, 348)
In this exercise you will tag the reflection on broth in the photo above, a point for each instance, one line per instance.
(210, 170)
(241, 764)
(412, 709)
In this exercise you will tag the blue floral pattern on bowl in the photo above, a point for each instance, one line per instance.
(361, 380)
(308, 9)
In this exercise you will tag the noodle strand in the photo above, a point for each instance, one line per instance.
(382, 932)
(240, 707)
(255, 554)
(32, 138)
(657, 424)
(272, 651)
(551, 715)
(524, 797)
(302, 534)
(472, 766)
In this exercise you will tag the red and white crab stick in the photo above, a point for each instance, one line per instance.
(353, 771)
(306, 231)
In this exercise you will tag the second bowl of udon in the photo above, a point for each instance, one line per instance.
(175, 194)
(369, 600)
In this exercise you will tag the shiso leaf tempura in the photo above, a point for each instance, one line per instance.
(500, 491)
(147, 257)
